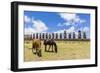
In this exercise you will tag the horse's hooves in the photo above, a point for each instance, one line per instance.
(34, 52)
(40, 56)
(56, 51)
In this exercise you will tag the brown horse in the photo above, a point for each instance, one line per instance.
(51, 43)
(36, 45)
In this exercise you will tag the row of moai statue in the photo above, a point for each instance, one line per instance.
(64, 35)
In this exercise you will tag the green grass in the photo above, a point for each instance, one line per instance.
(67, 50)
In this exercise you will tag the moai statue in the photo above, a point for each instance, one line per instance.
(65, 34)
(42, 35)
(46, 35)
(79, 34)
(84, 35)
(33, 35)
(36, 35)
(69, 35)
(60, 35)
(49, 36)
(56, 35)
(74, 35)
(52, 35)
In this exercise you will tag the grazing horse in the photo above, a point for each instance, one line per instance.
(52, 43)
(36, 45)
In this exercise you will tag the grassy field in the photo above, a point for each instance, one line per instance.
(67, 50)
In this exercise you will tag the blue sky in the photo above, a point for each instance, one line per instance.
(56, 22)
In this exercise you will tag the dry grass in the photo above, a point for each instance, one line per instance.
(67, 50)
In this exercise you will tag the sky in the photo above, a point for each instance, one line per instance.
(37, 22)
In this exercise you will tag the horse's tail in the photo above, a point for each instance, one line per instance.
(55, 47)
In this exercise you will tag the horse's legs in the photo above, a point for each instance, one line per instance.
(39, 52)
(49, 47)
(55, 48)
(36, 50)
(33, 48)
(52, 48)
(45, 48)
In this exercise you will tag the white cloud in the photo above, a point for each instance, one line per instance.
(29, 30)
(59, 31)
(70, 30)
(67, 16)
(86, 29)
(67, 23)
(71, 19)
(27, 19)
(37, 26)
(59, 24)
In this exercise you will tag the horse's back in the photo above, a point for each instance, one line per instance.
(37, 43)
